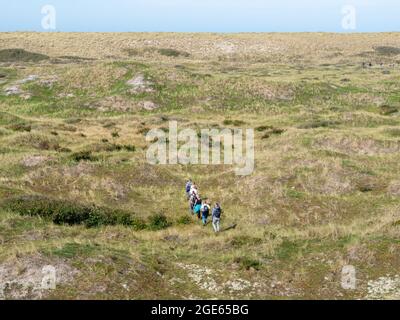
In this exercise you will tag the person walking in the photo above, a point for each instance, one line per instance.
(216, 217)
(205, 212)
(192, 202)
(197, 207)
(194, 189)
(188, 186)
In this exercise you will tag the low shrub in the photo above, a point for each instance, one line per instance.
(71, 213)
(185, 220)
(248, 263)
(20, 127)
(83, 156)
(387, 110)
(172, 53)
(236, 123)
(272, 131)
(20, 55)
(387, 51)
(129, 147)
(318, 124)
(263, 128)
(158, 222)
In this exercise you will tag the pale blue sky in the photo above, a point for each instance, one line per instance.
(201, 15)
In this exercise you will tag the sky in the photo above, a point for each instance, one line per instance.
(200, 15)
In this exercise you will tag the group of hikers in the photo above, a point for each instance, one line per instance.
(202, 208)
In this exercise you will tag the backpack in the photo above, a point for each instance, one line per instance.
(188, 186)
(217, 212)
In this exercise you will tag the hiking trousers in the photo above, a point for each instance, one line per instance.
(204, 218)
(215, 223)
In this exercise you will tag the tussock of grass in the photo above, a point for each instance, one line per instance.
(319, 124)
(172, 52)
(387, 110)
(236, 123)
(270, 132)
(37, 141)
(20, 127)
(20, 55)
(387, 50)
(184, 220)
(158, 222)
(248, 263)
(83, 156)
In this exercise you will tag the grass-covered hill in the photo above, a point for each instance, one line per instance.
(76, 191)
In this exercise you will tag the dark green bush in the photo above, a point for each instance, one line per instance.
(71, 213)
(263, 128)
(158, 222)
(18, 55)
(184, 220)
(235, 123)
(248, 263)
(62, 149)
(129, 147)
(387, 50)
(83, 156)
(277, 131)
(105, 146)
(318, 124)
(20, 127)
(172, 53)
(387, 110)
(272, 131)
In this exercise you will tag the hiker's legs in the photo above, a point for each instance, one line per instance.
(204, 218)
(215, 224)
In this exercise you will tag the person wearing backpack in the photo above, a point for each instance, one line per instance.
(188, 186)
(216, 217)
(205, 212)
(193, 189)
(197, 207)
(192, 202)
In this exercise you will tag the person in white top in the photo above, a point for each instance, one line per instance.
(193, 189)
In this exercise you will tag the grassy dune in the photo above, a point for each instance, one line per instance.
(77, 192)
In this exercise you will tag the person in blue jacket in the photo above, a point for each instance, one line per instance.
(216, 217)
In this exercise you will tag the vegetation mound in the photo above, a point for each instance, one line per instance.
(20, 55)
